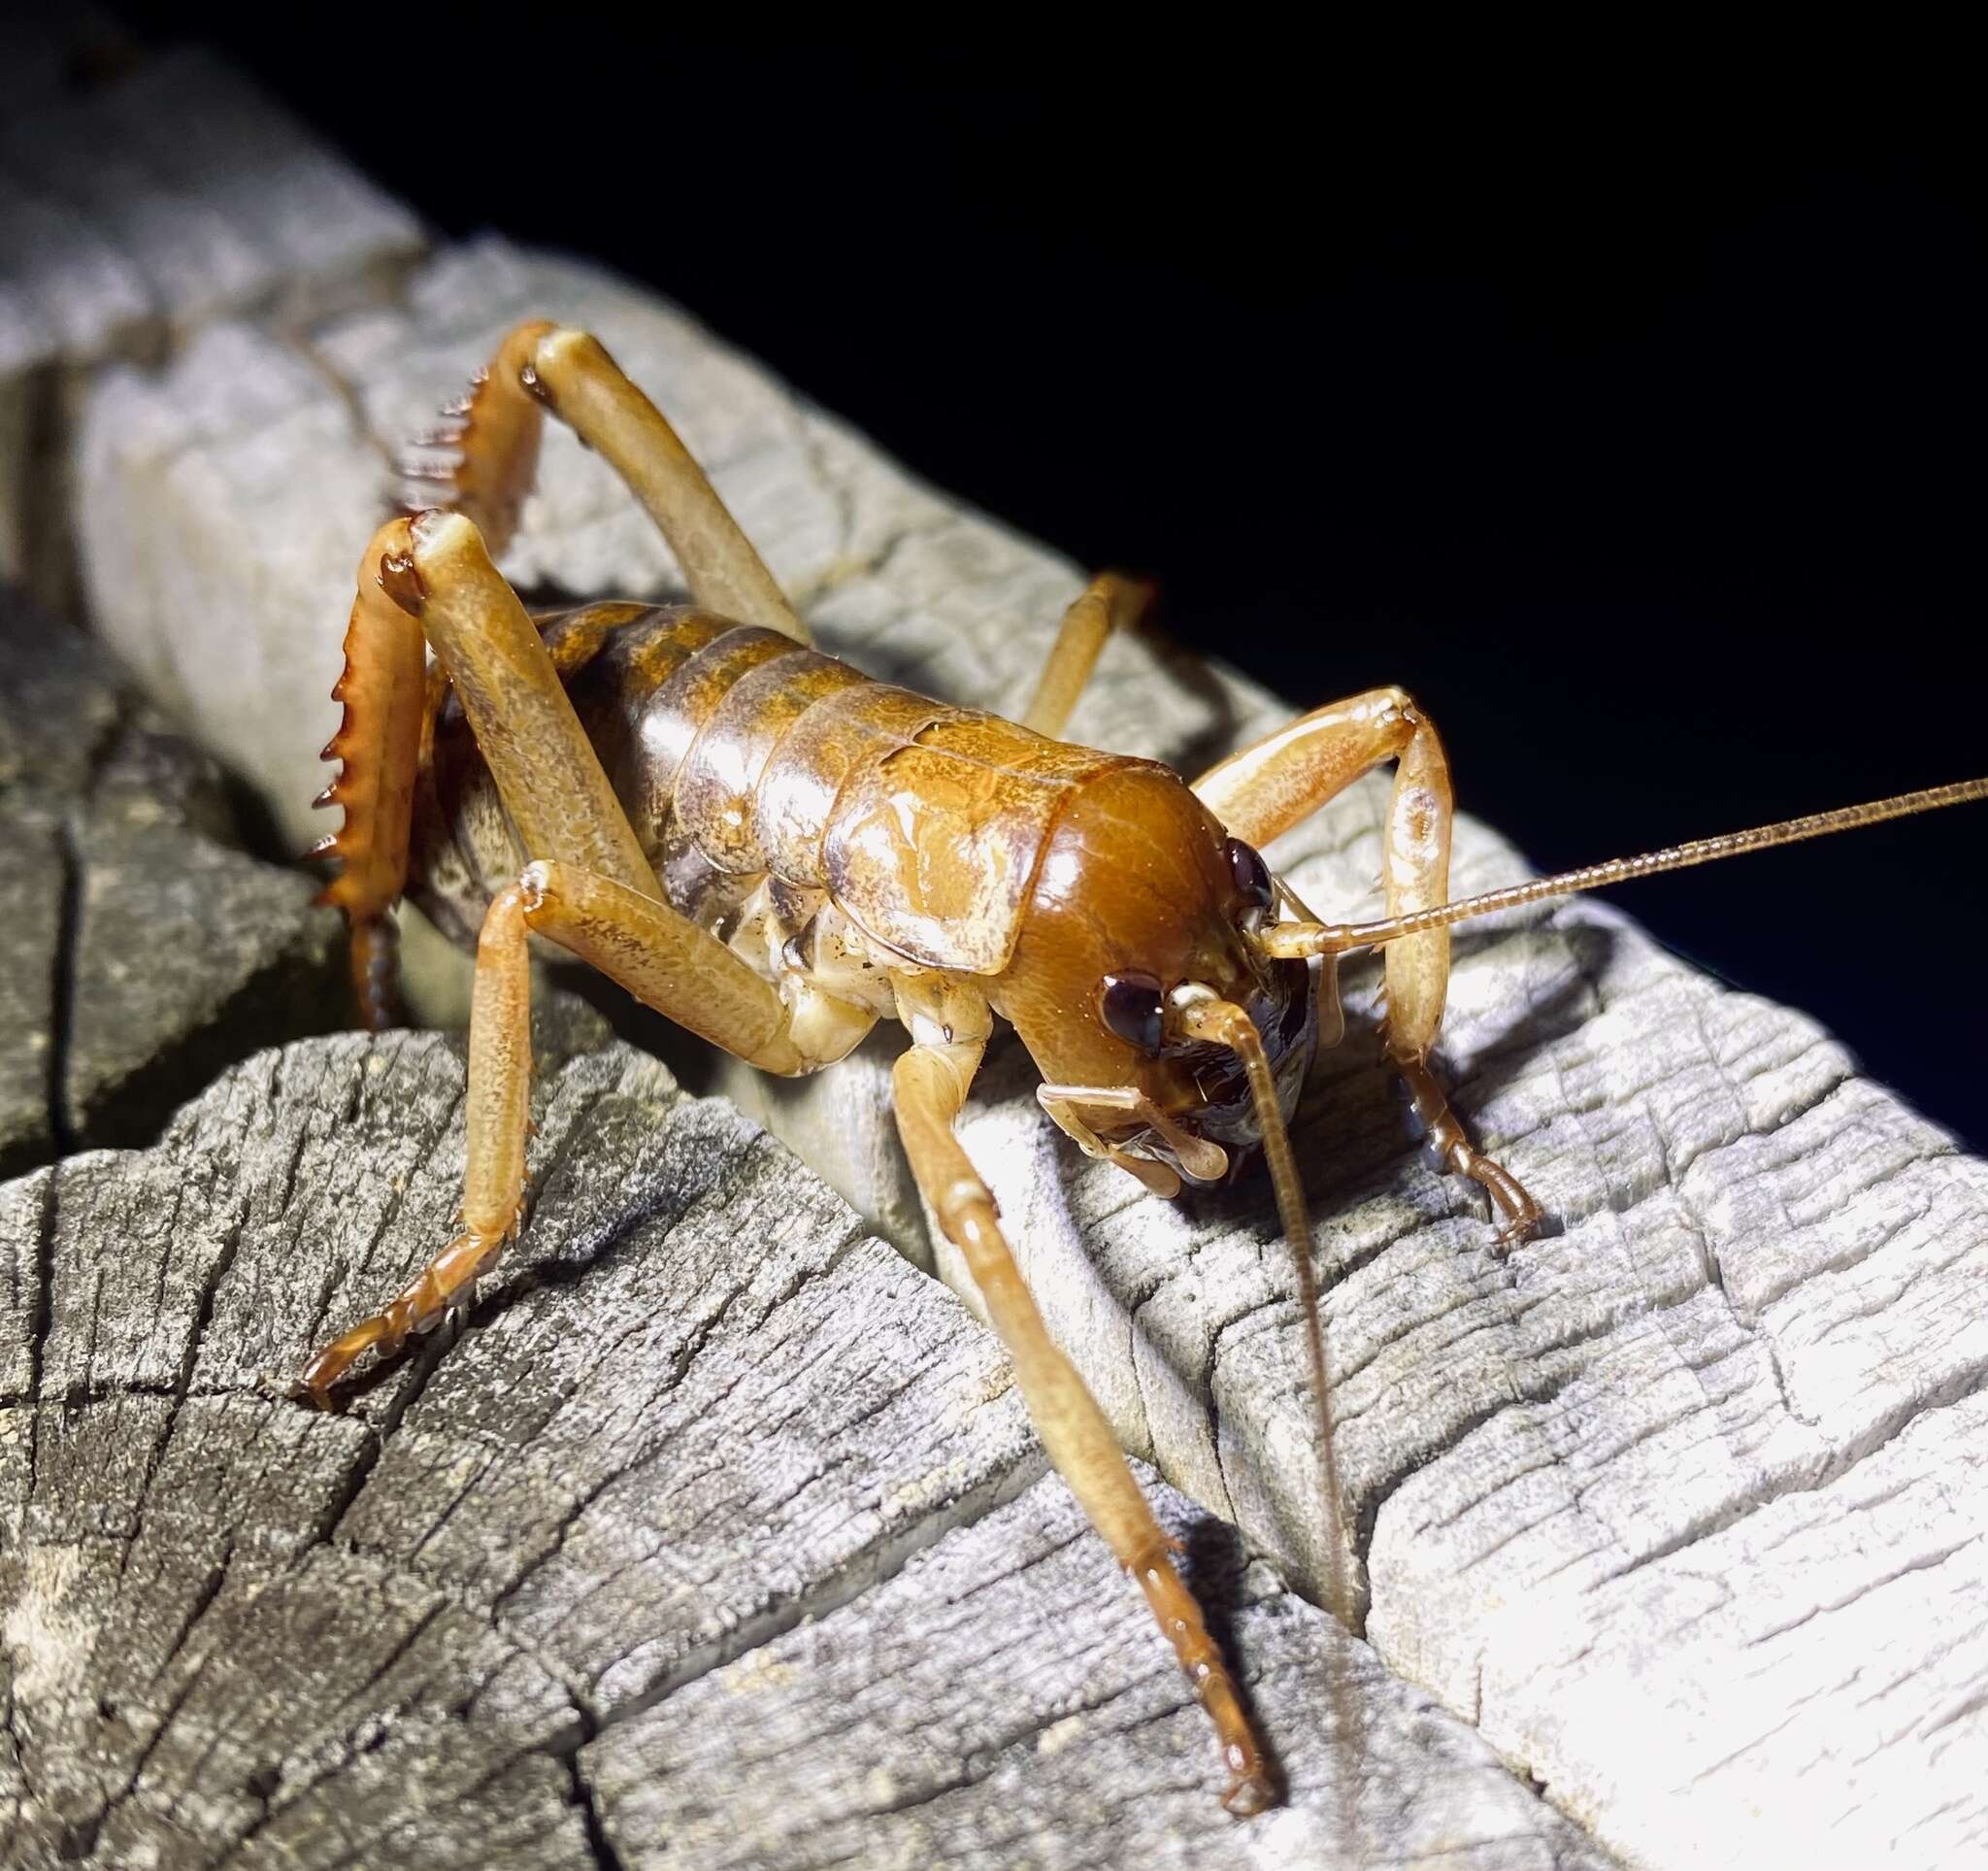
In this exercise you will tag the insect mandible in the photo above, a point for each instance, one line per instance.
(774, 851)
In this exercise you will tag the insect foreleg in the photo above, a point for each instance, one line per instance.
(1109, 603)
(929, 1084)
(1267, 787)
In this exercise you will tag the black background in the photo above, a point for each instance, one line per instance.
(1622, 401)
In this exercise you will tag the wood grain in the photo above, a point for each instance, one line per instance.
(1679, 1506)
(142, 950)
(677, 1551)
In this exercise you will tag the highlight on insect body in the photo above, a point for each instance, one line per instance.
(776, 851)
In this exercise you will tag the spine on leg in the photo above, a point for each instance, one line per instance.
(487, 447)
(378, 746)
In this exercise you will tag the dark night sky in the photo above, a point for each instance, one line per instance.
(1628, 410)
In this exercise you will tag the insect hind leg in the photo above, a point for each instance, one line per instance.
(383, 691)
(486, 459)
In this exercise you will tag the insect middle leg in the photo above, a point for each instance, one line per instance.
(929, 1084)
(663, 959)
(493, 1179)
(1267, 787)
(1108, 601)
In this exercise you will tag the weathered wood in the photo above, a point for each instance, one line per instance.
(133, 211)
(140, 953)
(979, 1710)
(1679, 1504)
(668, 1516)
(1657, 1500)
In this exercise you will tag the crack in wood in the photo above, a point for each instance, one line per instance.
(62, 983)
(80, 1837)
(599, 1840)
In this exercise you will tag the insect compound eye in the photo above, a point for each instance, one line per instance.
(1251, 875)
(1131, 1004)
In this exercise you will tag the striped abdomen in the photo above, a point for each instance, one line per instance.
(742, 756)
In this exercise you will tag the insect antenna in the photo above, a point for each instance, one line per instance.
(1313, 938)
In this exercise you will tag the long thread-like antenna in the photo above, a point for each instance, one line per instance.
(1206, 1017)
(1300, 938)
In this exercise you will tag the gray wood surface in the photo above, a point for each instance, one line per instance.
(718, 1537)
(133, 209)
(142, 950)
(1679, 1506)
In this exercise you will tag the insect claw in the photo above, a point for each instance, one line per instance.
(317, 1386)
(1249, 1795)
(1515, 1233)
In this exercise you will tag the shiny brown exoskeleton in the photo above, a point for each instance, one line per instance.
(775, 851)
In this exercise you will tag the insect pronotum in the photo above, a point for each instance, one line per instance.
(774, 850)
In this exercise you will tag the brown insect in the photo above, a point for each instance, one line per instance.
(774, 850)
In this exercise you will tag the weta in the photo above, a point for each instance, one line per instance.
(776, 851)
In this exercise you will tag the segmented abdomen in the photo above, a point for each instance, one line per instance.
(740, 755)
